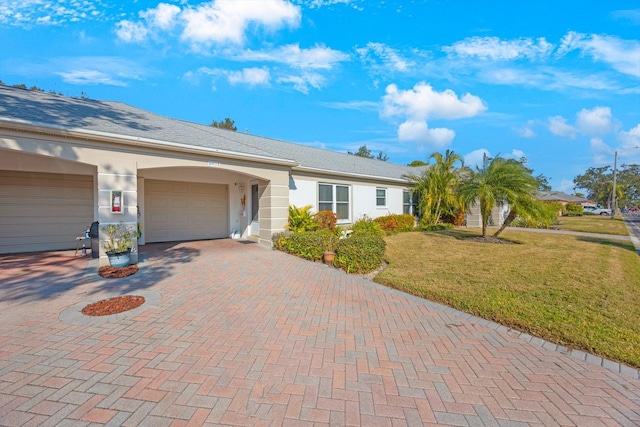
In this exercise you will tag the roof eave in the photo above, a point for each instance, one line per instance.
(350, 174)
(53, 130)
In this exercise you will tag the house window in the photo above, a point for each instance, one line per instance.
(409, 203)
(334, 198)
(381, 197)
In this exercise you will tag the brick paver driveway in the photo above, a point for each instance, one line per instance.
(235, 334)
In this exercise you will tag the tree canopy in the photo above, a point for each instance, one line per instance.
(499, 181)
(227, 124)
(598, 183)
(363, 151)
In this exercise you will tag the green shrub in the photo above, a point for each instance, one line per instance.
(360, 253)
(301, 219)
(395, 223)
(326, 220)
(571, 209)
(435, 227)
(279, 240)
(367, 226)
(307, 244)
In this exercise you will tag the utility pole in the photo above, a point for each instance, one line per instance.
(613, 196)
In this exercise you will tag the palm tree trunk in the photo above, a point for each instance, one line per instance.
(507, 221)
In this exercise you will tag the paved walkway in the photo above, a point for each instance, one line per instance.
(236, 334)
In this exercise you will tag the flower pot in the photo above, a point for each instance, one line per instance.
(329, 257)
(119, 259)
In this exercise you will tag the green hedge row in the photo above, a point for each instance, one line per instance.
(360, 253)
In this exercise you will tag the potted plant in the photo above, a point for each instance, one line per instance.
(118, 243)
(329, 244)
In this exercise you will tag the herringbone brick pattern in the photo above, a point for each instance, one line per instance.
(247, 336)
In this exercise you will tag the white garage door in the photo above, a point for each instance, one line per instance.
(185, 211)
(43, 211)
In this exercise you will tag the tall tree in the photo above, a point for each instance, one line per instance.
(363, 151)
(598, 182)
(417, 163)
(498, 181)
(227, 124)
(436, 187)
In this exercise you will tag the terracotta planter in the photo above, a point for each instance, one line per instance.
(119, 259)
(329, 257)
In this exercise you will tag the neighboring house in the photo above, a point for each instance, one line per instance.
(66, 162)
(564, 199)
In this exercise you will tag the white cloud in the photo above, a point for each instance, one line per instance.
(567, 186)
(106, 70)
(631, 15)
(318, 57)
(390, 57)
(526, 131)
(517, 154)
(84, 77)
(131, 32)
(622, 55)
(28, 13)
(249, 76)
(163, 16)
(475, 158)
(225, 21)
(302, 83)
(558, 126)
(602, 153)
(422, 103)
(217, 21)
(594, 122)
(630, 139)
(495, 49)
(418, 131)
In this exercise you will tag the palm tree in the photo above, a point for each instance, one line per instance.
(499, 181)
(436, 186)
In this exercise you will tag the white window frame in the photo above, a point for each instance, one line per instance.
(378, 197)
(413, 202)
(334, 202)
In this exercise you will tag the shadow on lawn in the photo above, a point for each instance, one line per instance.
(604, 241)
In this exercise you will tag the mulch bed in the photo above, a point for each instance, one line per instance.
(114, 305)
(109, 272)
(489, 239)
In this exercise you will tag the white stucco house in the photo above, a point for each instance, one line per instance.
(66, 162)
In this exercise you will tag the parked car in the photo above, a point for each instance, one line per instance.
(597, 211)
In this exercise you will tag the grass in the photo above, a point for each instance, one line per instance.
(577, 291)
(593, 224)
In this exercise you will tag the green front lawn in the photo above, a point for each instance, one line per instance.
(577, 291)
(593, 224)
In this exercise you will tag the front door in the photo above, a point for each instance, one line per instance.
(255, 211)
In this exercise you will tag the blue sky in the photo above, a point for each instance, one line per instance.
(557, 82)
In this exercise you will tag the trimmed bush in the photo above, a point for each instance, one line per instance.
(301, 219)
(360, 253)
(307, 244)
(395, 223)
(436, 227)
(367, 226)
(326, 220)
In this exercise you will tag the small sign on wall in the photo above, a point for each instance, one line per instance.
(117, 202)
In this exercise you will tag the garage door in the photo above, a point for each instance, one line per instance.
(42, 211)
(185, 211)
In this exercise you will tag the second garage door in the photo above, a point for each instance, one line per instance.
(185, 211)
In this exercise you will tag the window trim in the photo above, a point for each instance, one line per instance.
(384, 198)
(334, 200)
(413, 202)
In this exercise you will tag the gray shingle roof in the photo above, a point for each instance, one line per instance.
(559, 196)
(121, 119)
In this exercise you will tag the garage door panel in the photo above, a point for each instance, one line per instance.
(185, 211)
(42, 211)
